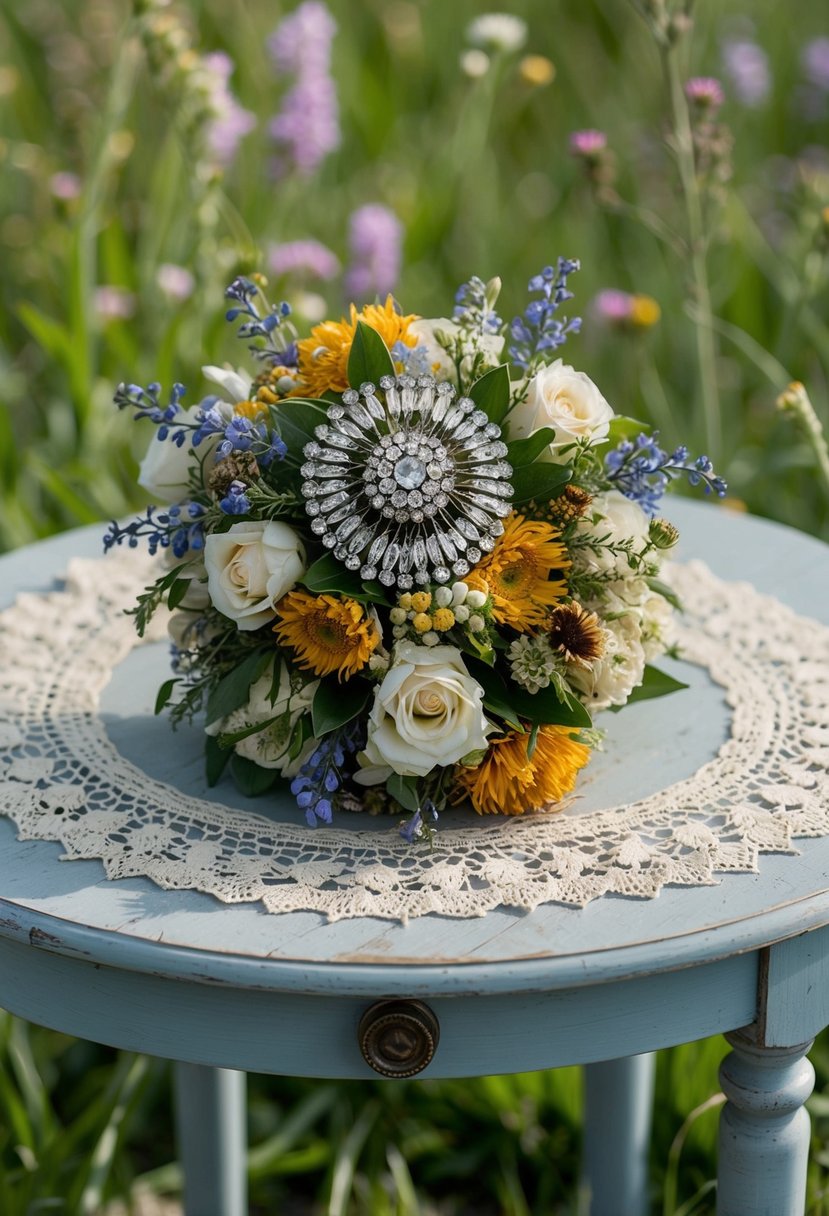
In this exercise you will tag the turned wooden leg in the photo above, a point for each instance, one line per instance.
(764, 1129)
(618, 1102)
(210, 1123)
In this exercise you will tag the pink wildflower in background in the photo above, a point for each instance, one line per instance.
(65, 186)
(705, 91)
(815, 61)
(176, 282)
(113, 303)
(375, 236)
(306, 129)
(747, 66)
(307, 257)
(587, 143)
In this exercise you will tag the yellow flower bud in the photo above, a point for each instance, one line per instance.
(422, 621)
(405, 601)
(421, 600)
(443, 619)
(644, 311)
(537, 70)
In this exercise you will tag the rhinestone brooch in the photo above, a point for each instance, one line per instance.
(405, 483)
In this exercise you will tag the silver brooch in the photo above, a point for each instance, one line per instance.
(408, 485)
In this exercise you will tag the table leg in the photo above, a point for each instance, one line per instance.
(210, 1123)
(764, 1129)
(618, 1103)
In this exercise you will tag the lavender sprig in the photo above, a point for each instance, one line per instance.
(540, 330)
(239, 434)
(475, 306)
(321, 775)
(266, 324)
(145, 404)
(422, 824)
(642, 470)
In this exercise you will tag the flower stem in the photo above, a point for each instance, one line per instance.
(684, 149)
(795, 402)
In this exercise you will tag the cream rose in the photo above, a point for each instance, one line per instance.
(567, 400)
(165, 470)
(621, 521)
(440, 362)
(235, 385)
(427, 712)
(269, 747)
(250, 567)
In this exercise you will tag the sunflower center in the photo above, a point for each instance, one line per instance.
(327, 633)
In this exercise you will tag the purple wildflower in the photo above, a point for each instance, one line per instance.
(231, 121)
(374, 237)
(615, 307)
(705, 92)
(176, 282)
(747, 65)
(815, 60)
(587, 143)
(65, 186)
(303, 257)
(307, 127)
(114, 303)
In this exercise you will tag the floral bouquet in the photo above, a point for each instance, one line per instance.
(403, 572)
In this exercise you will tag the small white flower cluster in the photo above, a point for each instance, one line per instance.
(426, 615)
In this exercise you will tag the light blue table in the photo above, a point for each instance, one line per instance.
(227, 989)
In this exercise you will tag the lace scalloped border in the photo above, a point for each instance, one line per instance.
(61, 778)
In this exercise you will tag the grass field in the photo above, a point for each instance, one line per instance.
(108, 174)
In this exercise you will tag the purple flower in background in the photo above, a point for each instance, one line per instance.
(613, 306)
(307, 127)
(587, 143)
(304, 257)
(230, 122)
(114, 303)
(747, 65)
(705, 91)
(65, 186)
(815, 60)
(374, 236)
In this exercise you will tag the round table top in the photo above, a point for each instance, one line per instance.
(131, 923)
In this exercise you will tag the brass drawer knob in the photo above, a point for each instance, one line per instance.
(398, 1038)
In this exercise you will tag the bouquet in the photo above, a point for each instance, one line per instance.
(406, 560)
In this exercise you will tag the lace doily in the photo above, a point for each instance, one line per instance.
(62, 779)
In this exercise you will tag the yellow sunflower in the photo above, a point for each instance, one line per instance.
(507, 782)
(517, 572)
(326, 633)
(323, 357)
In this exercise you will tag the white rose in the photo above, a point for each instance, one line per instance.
(250, 567)
(611, 679)
(269, 747)
(566, 400)
(165, 470)
(441, 363)
(427, 712)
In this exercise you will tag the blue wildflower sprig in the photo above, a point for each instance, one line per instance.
(239, 434)
(475, 306)
(540, 330)
(271, 324)
(179, 528)
(321, 775)
(235, 501)
(642, 470)
(422, 825)
(145, 403)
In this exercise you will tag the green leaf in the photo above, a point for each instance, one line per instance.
(626, 428)
(369, 358)
(327, 574)
(229, 738)
(532, 741)
(296, 419)
(232, 690)
(492, 393)
(496, 699)
(216, 759)
(666, 592)
(164, 694)
(512, 703)
(525, 451)
(335, 704)
(655, 683)
(539, 481)
(177, 592)
(250, 778)
(404, 790)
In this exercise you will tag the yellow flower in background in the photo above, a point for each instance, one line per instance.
(323, 357)
(537, 70)
(509, 782)
(326, 633)
(644, 311)
(517, 572)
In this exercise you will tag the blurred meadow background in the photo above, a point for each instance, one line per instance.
(151, 151)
